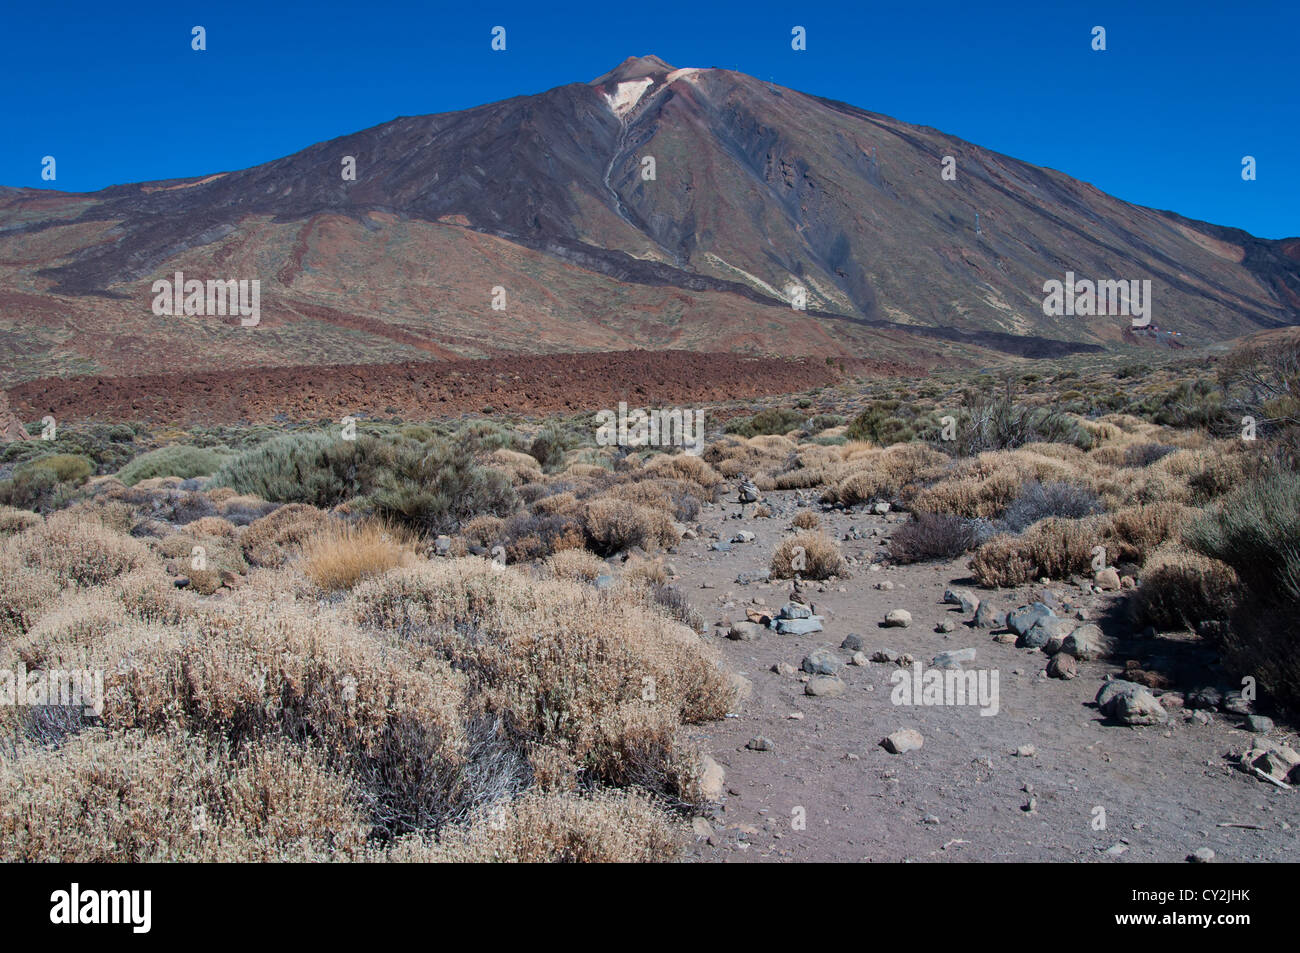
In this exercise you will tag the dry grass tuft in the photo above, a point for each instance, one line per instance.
(342, 554)
(812, 555)
(806, 519)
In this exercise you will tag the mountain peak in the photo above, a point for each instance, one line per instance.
(635, 67)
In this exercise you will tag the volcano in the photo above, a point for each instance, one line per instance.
(653, 207)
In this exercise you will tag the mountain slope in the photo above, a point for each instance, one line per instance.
(756, 190)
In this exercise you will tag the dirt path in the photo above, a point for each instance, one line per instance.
(1165, 790)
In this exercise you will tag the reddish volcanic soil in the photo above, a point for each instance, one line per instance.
(520, 384)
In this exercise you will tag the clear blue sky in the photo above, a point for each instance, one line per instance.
(1162, 118)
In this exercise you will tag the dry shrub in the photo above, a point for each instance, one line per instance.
(806, 519)
(206, 560)
(148, 594)
(762, 511)
(530, 536)
(561, 663)
(983, 487)
(643, 573)
(757, 457)
(867, 473)
(821, 557)
(652, 493)
(931, 536)
(683, 466)
(13, 520)
(483, 530)
(576, 565)
(1180, 589)
(1212, 471)
(553, 770)
(276, 537)
(242, 509)
(969, 495)
(1002, 562)
(77, 551)
(605, 827)
(1138, 530)
(137, 798)
(613, 525)
(681, 498)
(1054, 548)
(585, 471)
(25, 594)
(800, 478)
(213, 526)
(71, 631)
(522, 467)
(114, 514)
(342, 554)
(563, 502)
(390, 713)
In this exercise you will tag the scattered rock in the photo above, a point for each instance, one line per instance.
(885, 585)
(1130, 703)
(1087, 643)
(898, 618)
(902, 741)
(744, 536)
(852, 643)
(784, 668)
(799, 626)
(751, 576)
(885, 655)
(1259, 724)
(1047, 631)
(1106, 579)
(821, 662)
(968, 601)
(1062, 665)
(953, 659)
(712, 779)
(1210, 698)
(1235, 704)
(947, 625)
(826, 686)
(1026, 751)
(1202, 855)
(1273, 760)
(987, 617)
(1026, 617)
(760, 743)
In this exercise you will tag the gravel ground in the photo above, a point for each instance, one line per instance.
(966, 794)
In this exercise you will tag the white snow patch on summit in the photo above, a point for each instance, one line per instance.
(679, 73)
(626, 95)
